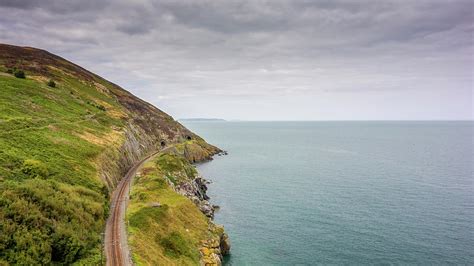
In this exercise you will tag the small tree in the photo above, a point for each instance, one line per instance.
(51, 83)
(20, 74)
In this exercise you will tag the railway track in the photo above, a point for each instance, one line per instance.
(116, 248)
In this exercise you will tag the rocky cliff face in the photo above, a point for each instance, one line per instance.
(212, 250)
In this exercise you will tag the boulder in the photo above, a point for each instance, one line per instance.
(224, 244)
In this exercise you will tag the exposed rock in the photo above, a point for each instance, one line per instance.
(206, 208)
(209, 258)
(222, 153)
(154, 204)
(195, 188)
(195, 152)
(201, 187)
(213, 249)
(224, 244)
(211, 253)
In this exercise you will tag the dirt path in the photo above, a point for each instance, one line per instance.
(116, 247)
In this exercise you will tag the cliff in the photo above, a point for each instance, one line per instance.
(67, 136)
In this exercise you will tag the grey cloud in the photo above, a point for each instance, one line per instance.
(226, 17)
(264, 51)
(56, 6)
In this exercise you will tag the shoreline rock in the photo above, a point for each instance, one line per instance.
(212, 250)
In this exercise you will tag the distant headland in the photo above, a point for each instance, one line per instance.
(201, 120)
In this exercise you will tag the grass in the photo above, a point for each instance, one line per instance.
(53, 205)
(175, 245)
(175, 167)
(170, 234)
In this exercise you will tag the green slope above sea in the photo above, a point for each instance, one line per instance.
(67, 136)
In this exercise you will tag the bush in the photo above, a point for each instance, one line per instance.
(175, 245)
(20, 74)
(96, 105)
(34, 168)
(51, 83)
(100, 107)
(141, 218)
(43, 222)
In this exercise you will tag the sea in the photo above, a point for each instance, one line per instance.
(343, 193)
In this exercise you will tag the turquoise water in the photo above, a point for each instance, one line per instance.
(343, 192)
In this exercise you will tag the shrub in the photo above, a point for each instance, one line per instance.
(43, 222)
(100, 107)
(141, 219)
(96, 105)
(51, 83)
(34, 168)
(175, 245)
(20, 74)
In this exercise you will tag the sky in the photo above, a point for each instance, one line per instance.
(266, 60)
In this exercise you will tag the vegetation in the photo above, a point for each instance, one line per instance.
(175, 245)
(19, 74)
(53, 145)
(51, 83)
(96, 105)
(176, 168)
(170, 234)
(194, 150)
(53, 206)
(46, 221)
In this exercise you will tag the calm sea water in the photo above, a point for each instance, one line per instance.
(344, 192)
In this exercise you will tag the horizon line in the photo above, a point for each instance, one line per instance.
(334, 120)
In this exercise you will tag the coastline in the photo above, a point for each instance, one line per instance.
(180, 209)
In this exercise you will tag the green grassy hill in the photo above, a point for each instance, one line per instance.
(66, 138)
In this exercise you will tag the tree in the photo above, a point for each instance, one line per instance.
(20, 74)
(51, 83)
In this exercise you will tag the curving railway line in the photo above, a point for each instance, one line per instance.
(116, 248)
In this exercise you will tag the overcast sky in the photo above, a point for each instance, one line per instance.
(266, 60)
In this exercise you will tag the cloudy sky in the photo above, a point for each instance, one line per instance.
(266, 60)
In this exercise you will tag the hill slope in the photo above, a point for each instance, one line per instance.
(63, 148)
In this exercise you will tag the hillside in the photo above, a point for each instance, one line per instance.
(67, 136)
(165, 227)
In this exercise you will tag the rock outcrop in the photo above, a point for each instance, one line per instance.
(212, 250)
